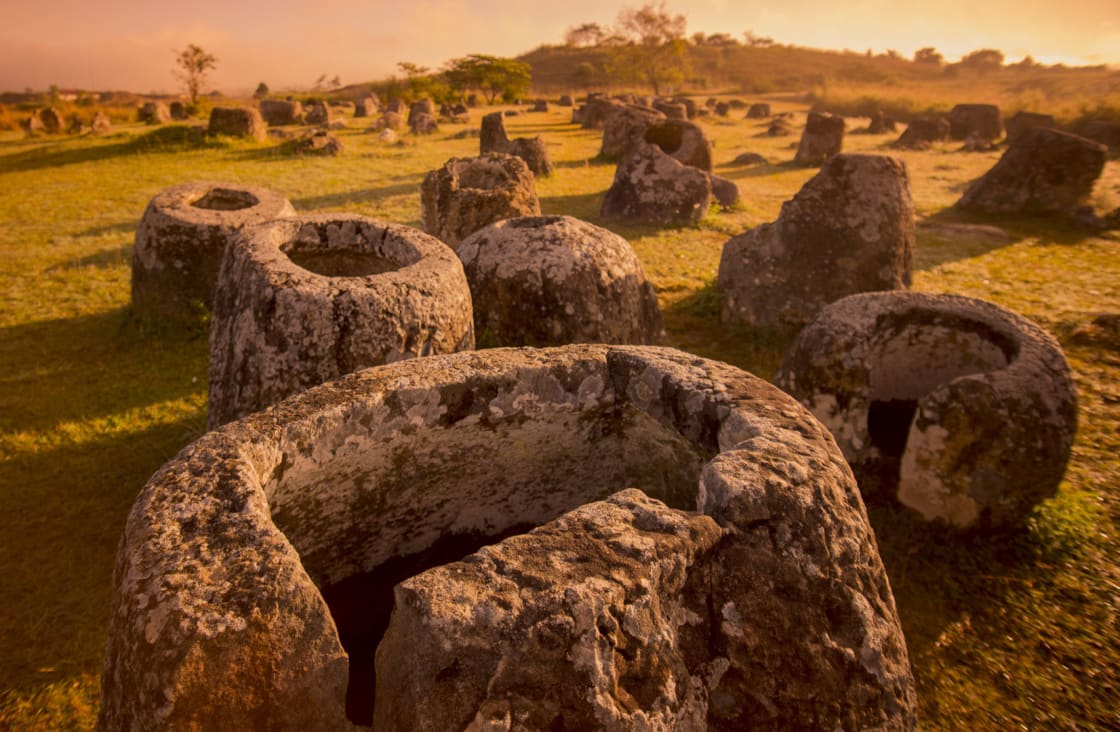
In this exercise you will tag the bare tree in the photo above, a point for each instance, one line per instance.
(194, 63)
(587, 34)
(656, 52)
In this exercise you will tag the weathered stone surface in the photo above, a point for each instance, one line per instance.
(304, 300)
(554, 280)
(881, 124)
(624, 126)
(237, 122)
(849, 229)
(540, 105)
(280, 112)
(182, 237)
(653, 188)
(396, 105)
(391, 121)
(758, 110)
(1020, 122)
(530, 149)
(318, 142)
(1105, 132)
(690, 107)
(595, 113)
(725, 191)
(422, 124)
(468, 194)
(153, 113)
(822, 138)
(962, 410)
(318, 113)
(672, 110)
(387, 135)
(722, 109)
(51, 119)
(780, 127)
(101, 125)
(178, 111)
(682, 140)
(922, 132)
(367, 106)
(1043, 171)
(981, 120)
(787, 618)
(423, 106)
(749, 158)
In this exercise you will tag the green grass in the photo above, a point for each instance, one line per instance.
(1016, 631)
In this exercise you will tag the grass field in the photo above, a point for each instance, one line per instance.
(1015, 631)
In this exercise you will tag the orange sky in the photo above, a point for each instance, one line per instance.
(128, 44)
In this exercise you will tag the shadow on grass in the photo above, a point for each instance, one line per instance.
(101, 260)
(692, 323)
(95, 366)
(124, 227)
(65, 509)
(169, 138)
(348, 198)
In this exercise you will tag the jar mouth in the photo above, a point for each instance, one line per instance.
(225, 199)
(330, 262)
(347, 249)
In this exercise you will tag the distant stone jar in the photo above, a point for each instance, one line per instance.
(304, 300)
(959, 409)
(468, 194)
(724, 572)
(555, 280)
(849, 229)
(237, 122)
(651, 187)
(822, 138)
(1044, 171)
(182, 237)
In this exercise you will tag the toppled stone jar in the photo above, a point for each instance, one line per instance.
(304, 300)
(737, 585)
(963, 411)
(181, 239)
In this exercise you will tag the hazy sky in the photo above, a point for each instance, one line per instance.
(129, 44)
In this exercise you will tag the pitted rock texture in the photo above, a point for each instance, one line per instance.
(182, 237)
(153, 113)
(849, 229)
(758, 110)
(1020, 122)
(650, 187)
(822, 138)
(417, 108)
(468, 194)
(367, 106)
(493, 139)
(595, 113)
(979, 120)
(963, 411)
(725, 191)
(318, 113)
(623, 127)
(1044, 171)
(280, 112)
(554, 280)
(922, 132)
(237, 122)
(671, 109)
(681, 140)
(304, 300)
(422, 124)
(782, 618)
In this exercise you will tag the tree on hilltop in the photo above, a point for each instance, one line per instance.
(586, 34)
(984, 59)
(194, 64)
(656, 52)
(492, 75)
(262, 91)
(928, 55)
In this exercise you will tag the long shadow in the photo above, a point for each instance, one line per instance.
(124, 227)
(169, 138)
(346, 198)
(582, 206)
(64, 509)
(101, 260)
(78, 369)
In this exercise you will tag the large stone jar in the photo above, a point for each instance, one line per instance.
(305, 300)
(721, 573)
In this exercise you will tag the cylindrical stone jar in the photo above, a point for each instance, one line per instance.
(703, 560)
(182, 237)
(305, 300)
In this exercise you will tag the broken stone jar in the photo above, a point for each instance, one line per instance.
(358, 554)
(304, 300)
(963, 411)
